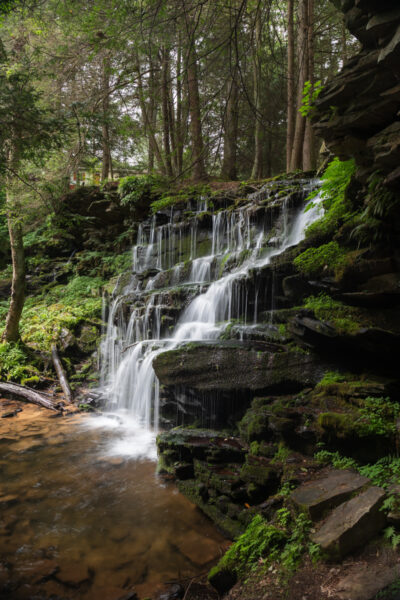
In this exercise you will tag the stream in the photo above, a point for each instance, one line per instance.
(84, 515)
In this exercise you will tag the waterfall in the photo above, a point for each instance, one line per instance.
(238, 238)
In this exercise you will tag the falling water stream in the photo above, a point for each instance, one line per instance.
(129, 347)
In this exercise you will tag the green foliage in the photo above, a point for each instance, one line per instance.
(344, 318)
(60, 309)
(380, 202)
(393, 537)
(335, 181)
(298, 544)
(313, 261)
(140, 189)
(310, 96)
(335, 459)
(258, 541)
(282, 454)
(383, 473)
(378, 416)
(14, 362)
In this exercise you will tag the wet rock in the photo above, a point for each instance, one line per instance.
(352, 524)
(175, 592)
(197, 548)
(219, 367)
(222, 580)
(316, 497)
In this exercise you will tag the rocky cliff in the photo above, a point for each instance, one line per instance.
(358, 112)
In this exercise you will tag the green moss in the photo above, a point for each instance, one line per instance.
(346, 319)
(254, 425)
(338, 422)
(313, 261)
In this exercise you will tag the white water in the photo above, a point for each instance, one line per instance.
(129, 349)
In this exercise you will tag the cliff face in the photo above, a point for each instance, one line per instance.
(358, 112)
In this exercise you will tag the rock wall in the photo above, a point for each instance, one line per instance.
(358, 112)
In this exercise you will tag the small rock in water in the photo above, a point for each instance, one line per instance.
(12, 413)
(175, 592)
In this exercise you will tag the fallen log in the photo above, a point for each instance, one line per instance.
(61, 374)
(20, 392)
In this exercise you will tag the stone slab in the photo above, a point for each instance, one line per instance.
(352, 524)
(316, 497)
(366, 582)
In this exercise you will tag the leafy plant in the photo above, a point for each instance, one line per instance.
(258, 541)
(334, 183)
(140, 189)
(378, 416)
(310, 96)
(14, 362)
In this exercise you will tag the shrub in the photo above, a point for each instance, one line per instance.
(137, 190)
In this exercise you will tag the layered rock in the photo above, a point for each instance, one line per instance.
(357, 113)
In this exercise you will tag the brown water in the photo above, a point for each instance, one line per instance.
(81, 518)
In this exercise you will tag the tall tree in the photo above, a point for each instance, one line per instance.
(296, 161)
(190, 15)
(290, 83)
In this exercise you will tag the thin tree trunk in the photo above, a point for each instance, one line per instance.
(179, 110)
(14, 212)
(62, 377)
(106, 169)
(290, 84)
(309, 138)
(165, 110)
(228, 170)
(199, 170)
(302, 51)
(148, 124)
(258, 128)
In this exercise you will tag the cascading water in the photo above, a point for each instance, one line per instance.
(239, 238)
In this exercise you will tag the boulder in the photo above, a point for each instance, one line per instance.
(316, 497)
(352, 524)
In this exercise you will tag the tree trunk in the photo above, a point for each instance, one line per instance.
(165, 110)
(199, 170)
(228, 170)
(14, 212)
(300, 127)
(179, 110)
(21, 392)
(62, 377)
(106, 169)
(290, 85)
(149, 124)
(256, 172)
(309, 138)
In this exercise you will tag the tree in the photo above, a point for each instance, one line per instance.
(27, 131)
